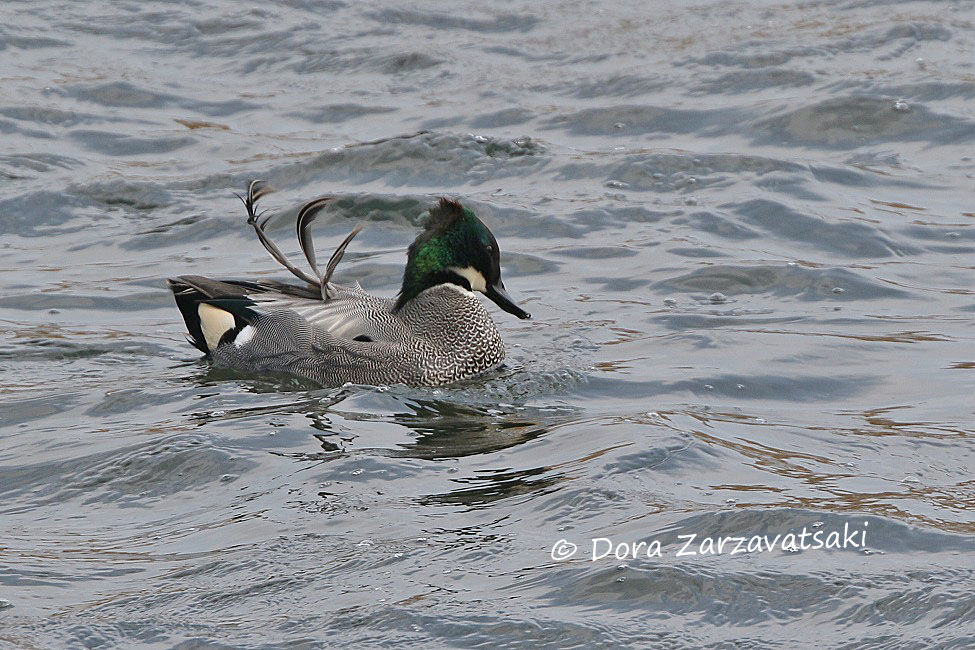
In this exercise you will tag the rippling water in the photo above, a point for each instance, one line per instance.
(745, 231)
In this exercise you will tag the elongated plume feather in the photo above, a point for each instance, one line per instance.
(306, 215)
(255, 191)
(334, 260)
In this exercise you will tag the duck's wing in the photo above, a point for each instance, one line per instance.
(212, 308)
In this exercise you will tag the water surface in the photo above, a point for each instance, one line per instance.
(745, 235)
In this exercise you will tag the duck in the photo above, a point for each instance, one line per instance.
(434, 332)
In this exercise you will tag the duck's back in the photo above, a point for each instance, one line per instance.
(350, 312)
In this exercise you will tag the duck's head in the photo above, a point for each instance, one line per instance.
(456, 248)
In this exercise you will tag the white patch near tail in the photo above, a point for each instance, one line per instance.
(214, 322)
(244, 336)
(472, 275)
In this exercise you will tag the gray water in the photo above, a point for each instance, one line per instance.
(745, 232)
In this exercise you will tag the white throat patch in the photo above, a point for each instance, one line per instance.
(472, 275)
(459, 289)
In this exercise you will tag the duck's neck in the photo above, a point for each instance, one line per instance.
(414, 285)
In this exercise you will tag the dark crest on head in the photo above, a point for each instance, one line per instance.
(443, 215)
(440, 218)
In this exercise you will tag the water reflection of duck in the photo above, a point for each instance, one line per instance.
(435, 332)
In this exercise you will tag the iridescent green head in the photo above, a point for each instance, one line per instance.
(456, 248)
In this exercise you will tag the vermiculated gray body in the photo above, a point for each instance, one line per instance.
(443, 335)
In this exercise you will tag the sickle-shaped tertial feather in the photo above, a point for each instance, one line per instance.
(306, 215)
